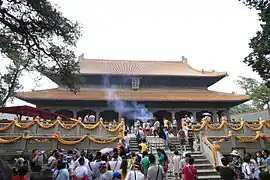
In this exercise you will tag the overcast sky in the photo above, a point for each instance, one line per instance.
(212, 34)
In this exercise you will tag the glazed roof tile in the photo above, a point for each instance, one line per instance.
(138, 67)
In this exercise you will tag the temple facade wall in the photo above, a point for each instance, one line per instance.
(169, 113)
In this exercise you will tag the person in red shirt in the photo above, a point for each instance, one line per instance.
(189, 171)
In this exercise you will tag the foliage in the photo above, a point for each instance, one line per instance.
(247, 84)
(258, 59)
(261, 96)
(35, 36)
(242, 108)
(259, 92)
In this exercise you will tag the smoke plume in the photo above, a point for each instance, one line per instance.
(132, 110)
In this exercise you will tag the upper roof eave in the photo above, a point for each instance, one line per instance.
(142, 68)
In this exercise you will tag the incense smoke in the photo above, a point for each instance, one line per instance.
(129, 109)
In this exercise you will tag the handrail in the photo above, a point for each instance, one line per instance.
(211, 151)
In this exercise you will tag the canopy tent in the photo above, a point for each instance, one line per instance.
(31, 112)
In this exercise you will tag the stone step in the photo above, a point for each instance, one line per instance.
(212, 177)
(201, 161)
(198, 156)
(203, 166)
(208, 172)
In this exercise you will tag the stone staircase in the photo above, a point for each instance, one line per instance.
(133, 144)
(175, 145)
(205, 168)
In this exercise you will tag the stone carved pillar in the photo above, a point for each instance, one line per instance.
(173, 115)
(215, 116)
(97, 114)
(194, 114)
(119, 116)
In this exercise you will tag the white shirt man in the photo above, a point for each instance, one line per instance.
(86, 118)
(174, 124)
(141, 133)
(126, 138)
(92, 118)
(148, 125)
(81, 171)
(144, 125)
(156, 125)
(192, 119)
(86, 161)
(115, 165)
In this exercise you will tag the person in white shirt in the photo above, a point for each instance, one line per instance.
(126, 138)
(174, 125)
(246, 168)
(93, 167)
(156, 127)
(187, 119)
(113, 124)
(148, 125)
(110, 126)
(92, 118)
(135, 173)
(144, 125)
(81, 170)
(192, 119)
(136, 126)
(141, 133)
(86, 118)
(52, 158)
(86, 161)
(254, 168)
(115, 165)
(71, 165)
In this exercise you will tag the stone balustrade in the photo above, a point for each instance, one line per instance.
(57, 134)
(242, 128)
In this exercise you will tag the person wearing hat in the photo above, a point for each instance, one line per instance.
(237, 164)
(135, 173)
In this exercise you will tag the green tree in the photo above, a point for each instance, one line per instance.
(35, 36)
(258, 59)
(258, 92)
(242, 108)
(261, 97)
(247, 84)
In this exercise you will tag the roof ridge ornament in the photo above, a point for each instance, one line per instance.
(184, 59)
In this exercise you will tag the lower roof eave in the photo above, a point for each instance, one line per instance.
(231, 103)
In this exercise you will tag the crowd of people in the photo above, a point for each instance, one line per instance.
(118, 164)
(250, 167)
(122, 164)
